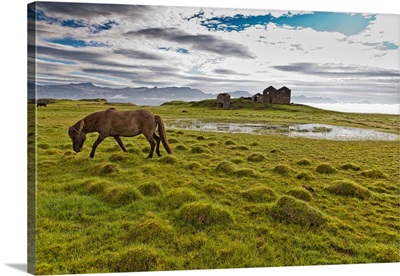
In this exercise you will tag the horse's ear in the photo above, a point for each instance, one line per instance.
(80, 126)
(71, 128)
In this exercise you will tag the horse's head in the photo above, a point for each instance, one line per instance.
(78, 137)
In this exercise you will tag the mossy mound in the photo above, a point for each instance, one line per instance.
(283, 169)
(291, 210)
(193, 166)
(301, 194)
(230, 143)
(180, 148)
(245, 173)
(225, 167)
(303, 162)
(122, 195)
(348, 188)
(256, 157)
(53, 151)
(116, 157)
(138, 258)
(175, 198)
(172, 140)
(200, 149)
(150, 229)
(201, 214)
(169, 159)
(325, 168)
(373, 173)
(305, 175)
(259, 194)
(96, 186)
(350, 166)
(150, 189)
(105, 168)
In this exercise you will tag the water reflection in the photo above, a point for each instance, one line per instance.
(316, 131)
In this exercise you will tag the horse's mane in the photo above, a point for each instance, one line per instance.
(91, 119)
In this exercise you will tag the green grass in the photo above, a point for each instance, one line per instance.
(222, 200)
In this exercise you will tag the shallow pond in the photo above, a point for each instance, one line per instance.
(315, 131)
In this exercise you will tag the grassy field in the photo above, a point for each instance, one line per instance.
(221, 200)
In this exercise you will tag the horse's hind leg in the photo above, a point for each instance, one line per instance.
(119, 141)
(158, 143)
(150, 139)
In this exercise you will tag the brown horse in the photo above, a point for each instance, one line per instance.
(111, 122)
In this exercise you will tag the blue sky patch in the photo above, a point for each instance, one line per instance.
(389, 46)
(182, 51)
(39, 15)
(63, 61)
(77, 43)
(345, 23)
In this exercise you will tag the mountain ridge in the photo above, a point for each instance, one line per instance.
(140, 95)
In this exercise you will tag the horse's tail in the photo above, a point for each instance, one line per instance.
(163, 135)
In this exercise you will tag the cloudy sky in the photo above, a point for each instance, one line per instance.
(345, 56)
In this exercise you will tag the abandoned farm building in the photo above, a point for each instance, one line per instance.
(224, 100)
(271, 95)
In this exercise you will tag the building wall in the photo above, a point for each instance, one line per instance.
(282, 96)
(224, 100)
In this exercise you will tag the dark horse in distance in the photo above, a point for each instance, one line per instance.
(111, 122)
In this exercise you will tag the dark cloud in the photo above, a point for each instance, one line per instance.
(336, 70)
(92, 10)
(134, 54)
(208, 43)
(225, 72)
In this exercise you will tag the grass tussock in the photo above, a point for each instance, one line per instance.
(122, 195)
(301, 194)
(169, 159)
(103, 169)
(225, 167)
(117, 157)
(350, 166)
(175, 198)
(229, 143)
(373, 173)
(201, 214)
(150, 189)
(283, 169)
(325, 168)
(200, 149)
(138, 258)
(180, 148)
(193, 166)
(151, 229)
(303, 162)
(291, 210)
(256, 157)
(259, 194)
(173, 140)
(245, 173)
(96, 186)
(304, 175)
(348, 188)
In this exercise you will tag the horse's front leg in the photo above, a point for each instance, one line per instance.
(96, 143)
(119, 141)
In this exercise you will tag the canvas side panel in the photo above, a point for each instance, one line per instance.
(31, 138)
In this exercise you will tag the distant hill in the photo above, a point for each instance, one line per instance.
(138, 95)
(304, 99)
